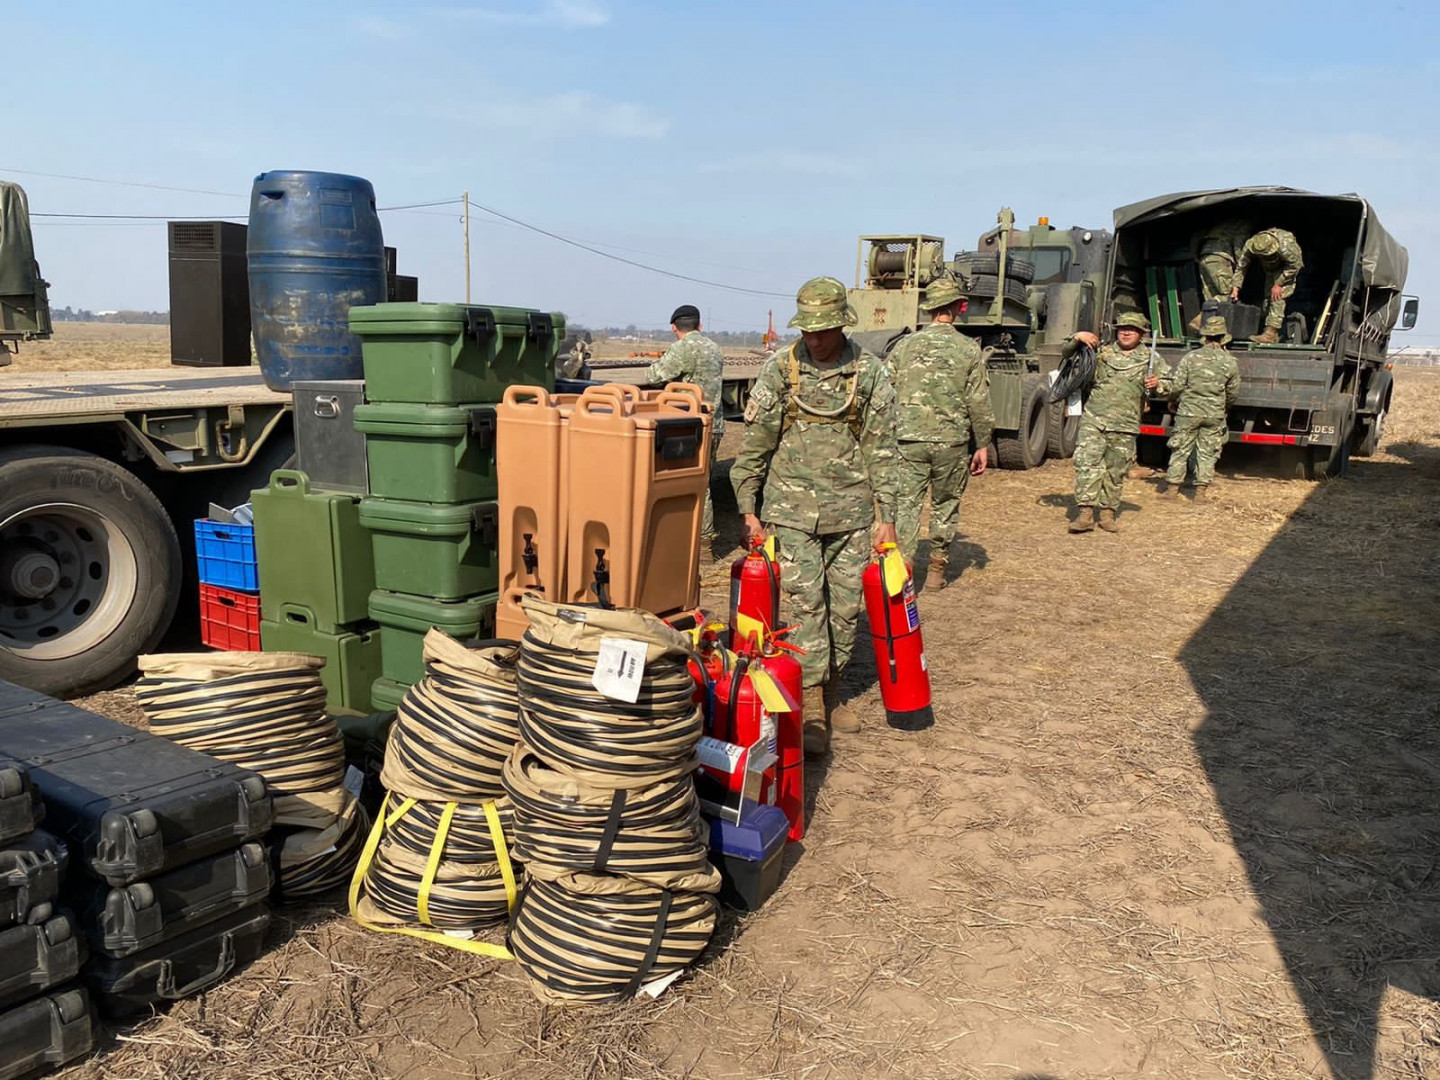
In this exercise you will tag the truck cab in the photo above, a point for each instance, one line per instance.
(1323, 390)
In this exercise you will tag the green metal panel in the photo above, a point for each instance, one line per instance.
(1152, 294)
(405, 620)
(432, 550)
(313, 552)
(452, 353)
(1005, 398)
(1176, 326)
(352, 658)
(429, 453)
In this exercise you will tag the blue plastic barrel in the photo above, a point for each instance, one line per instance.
(315, 251)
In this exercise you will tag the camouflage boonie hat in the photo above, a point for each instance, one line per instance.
(821, 304)
(942, 292)
(1215, 326)
(1132, 320)
(1265, 243)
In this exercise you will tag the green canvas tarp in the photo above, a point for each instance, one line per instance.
(1383, 260)
(18, 272)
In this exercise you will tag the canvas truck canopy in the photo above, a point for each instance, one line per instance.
(1383, 261)
(18, 272)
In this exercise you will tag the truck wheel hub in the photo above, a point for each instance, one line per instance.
(31, 575)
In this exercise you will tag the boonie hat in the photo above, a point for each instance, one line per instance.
(941, 292)
(684, 311)
(1132, 320)
(821, 304)
(1265, 243)
(1215, 326)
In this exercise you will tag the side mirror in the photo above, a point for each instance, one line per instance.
(1409, 312)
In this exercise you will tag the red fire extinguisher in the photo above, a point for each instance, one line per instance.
(899, 649)
(754, 591)
(790, 726)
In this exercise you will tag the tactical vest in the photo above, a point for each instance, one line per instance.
(848, 414)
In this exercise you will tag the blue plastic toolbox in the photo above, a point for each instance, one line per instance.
(748, 854)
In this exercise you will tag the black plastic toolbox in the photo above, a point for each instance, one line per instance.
(128, 804)
(45, 1033)
(20, 806)
(123, 921)
(30, 873)
(35, 958)
(189, 965)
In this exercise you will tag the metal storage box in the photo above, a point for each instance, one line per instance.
(209, 294)
(453, 353)
(328, 449)
(429, 453)
(437, 550)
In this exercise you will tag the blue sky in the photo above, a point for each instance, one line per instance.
(745, 143)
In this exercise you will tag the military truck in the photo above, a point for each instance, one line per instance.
(101, 474)
(1026, 290)
(1322, 393)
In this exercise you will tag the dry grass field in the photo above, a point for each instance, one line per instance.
(1177, 819)
(80, 346)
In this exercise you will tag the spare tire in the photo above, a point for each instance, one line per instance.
(988, 262)
(982, 286)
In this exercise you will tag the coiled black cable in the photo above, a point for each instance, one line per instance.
(1077, 373)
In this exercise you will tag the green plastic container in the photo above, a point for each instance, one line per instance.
(405, 620)
(448, 353)
(352, 657)
(427, 549)
(429, 453)
(387, 694)
(313, 552)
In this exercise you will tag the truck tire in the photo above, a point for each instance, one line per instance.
(1016, 269)
(1370, 434)
(982, 287)
(1026, 448)
(89, 570)
(1064, 429)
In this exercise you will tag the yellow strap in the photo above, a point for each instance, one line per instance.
(502, 854)
(357, 883)
(432, 863)
(892, 565)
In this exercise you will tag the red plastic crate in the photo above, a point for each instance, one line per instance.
(229, 619)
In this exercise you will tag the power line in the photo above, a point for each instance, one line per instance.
(215, 217)
(621, 259)
(121, 183)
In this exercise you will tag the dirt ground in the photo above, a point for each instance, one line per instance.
(1177, 819)
(79, 346)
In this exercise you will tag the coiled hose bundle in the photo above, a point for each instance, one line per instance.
(605, 808)
(266, 712)
(438, 858)
(1076, 375)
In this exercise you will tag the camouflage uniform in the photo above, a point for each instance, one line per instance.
(1105, 446)
(826, 460)
(942, 396)
(1206, 381)
(696, 359)
(1219, 251)
(1278, 253)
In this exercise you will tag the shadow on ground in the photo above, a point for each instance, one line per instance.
(1322, 743)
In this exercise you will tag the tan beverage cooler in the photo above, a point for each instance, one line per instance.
(530, 467)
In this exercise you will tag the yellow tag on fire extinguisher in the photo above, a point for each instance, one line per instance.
(772, 695)
(770, 548)
(892, 568)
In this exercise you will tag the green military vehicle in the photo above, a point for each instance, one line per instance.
(101, 473)
(1320, 394)
(1026, 290)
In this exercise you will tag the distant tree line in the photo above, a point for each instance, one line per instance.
(725, 338)
(68, 314)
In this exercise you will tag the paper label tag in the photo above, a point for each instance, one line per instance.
(463, 935)
(354, 780)
(912, 611)
(656, 987)
(769, 731)
(1054, 374)
(1073, 405)
(720, 755)
(619, 669)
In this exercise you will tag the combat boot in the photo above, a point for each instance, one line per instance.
(841, 718)
(817, 727)
(939, 562)
(1108, 522)
(1085, 522)
(1200, 492)
(1268, 336)
(1137, 472)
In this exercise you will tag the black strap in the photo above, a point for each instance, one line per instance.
(656, 940)
(612, 830)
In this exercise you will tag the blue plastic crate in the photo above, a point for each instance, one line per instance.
(225, 553)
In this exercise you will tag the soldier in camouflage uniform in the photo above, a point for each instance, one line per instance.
(820, 439)
(694, 358)
(1218, 253)
(1206, 381)
(942, 397)
(1105, 446)
(1278, 253)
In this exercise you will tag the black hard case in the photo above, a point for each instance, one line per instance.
(30, 873)
(46, 1032)
(128, 804)
(20, 806)
(122, 922)
(35, 958)
(190, 964)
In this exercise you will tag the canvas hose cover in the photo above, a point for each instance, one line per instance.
(579, 628)
(596, 938)
(397, 889)
(454, 729)
(652, 834)
(261, 711)
(1077, 373)
(312, 862)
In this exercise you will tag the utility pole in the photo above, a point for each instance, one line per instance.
(467, 246)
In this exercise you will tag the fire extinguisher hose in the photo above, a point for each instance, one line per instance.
(652, 834)
(591, 938)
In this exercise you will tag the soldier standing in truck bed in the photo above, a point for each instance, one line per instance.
(820, 439)
(1278, 253)
(1105, 446)
(1206, 381)
(1217, 257)
(942, 402)
(694, 358)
